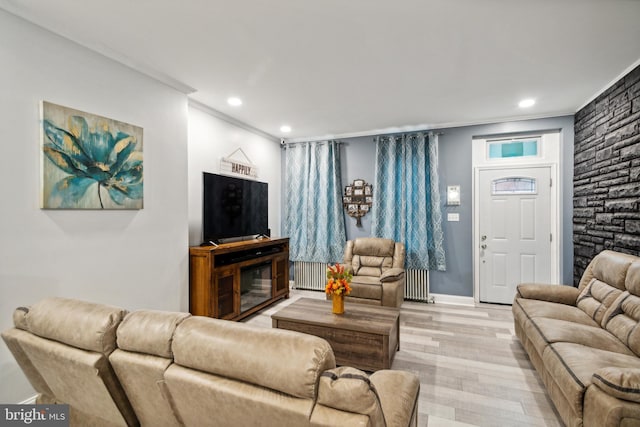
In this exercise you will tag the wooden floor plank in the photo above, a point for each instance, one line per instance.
(473, 371)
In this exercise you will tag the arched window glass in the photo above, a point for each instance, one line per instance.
(515, 185)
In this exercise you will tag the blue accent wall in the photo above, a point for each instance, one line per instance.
(358, 162)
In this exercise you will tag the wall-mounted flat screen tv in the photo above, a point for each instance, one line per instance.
(233, 208)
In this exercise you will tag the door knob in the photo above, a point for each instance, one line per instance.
(483, 246)
(483, 238)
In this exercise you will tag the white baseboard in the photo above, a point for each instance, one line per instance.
(29, 401)
(452, 299)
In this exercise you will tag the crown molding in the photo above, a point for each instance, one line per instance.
(608, 85)
(215, 113)
(426, 127)
(101, 49)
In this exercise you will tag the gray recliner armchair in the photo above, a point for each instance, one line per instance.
(378, 271)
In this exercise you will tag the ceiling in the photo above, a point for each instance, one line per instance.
(347, 67)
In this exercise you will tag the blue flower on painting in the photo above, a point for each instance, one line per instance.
(93, 158)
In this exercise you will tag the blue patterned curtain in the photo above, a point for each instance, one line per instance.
(406, 198)
(314, 220)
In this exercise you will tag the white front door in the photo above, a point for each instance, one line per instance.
(515, 217)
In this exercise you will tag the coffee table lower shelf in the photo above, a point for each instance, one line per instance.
(364, 337)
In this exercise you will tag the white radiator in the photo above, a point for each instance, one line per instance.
(310, 275)
(313, 276)
(416, 287)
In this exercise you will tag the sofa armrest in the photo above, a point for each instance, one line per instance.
(350, 389)
(398, 394)
(622, 383)
(392, 274)
(560, 294)
(20, 318)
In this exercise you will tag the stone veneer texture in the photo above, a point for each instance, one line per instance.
(606, 177)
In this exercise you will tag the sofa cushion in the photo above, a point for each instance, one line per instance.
(13, 338)
(571, 366)
(142, 378)
(596, 298)
(364, 266)
(149, 332)
(83, 379)
(621, 383)
(206, 400)
(282, 360)
(77, 323)
(366, 287)
(609, 267)
(632, 282)
(622, 320)
(350, 390)
(324, 416)
(143, 356)
(535, 308)
(372, 256)
(373, 246)
(554, 330)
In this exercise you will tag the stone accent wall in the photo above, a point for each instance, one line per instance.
(606, 178)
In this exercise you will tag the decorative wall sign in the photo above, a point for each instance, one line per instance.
(89, 161)
(243, 169)
(357, 199)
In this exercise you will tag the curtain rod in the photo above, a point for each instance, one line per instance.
(285, 142)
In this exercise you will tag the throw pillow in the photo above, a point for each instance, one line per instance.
(596, 298)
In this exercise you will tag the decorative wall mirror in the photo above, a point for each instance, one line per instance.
(357, 199)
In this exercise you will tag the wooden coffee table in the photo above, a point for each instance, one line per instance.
(365, 336)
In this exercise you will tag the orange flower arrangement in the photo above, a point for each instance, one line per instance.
(338, 279)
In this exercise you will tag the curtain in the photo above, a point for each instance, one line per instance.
(314, 220)
(406, 198)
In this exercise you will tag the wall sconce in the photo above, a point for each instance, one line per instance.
(453, 195)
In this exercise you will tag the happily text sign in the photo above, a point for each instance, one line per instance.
(231, 166)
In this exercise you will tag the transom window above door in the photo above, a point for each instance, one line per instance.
(514, 185)
(526, 147)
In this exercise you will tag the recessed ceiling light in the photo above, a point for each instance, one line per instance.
(234, 101)
(525, 103)
(285, 128)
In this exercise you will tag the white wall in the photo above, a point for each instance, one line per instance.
(210, 139)
(133, 259)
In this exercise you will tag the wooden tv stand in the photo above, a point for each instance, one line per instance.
(233, 280)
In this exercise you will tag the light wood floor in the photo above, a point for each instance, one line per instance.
(472, 369)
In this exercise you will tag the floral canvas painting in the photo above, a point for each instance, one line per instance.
(89, 161)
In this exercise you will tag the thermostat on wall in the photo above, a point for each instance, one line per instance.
(453, 195)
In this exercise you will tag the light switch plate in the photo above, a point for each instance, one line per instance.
(453, 217)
